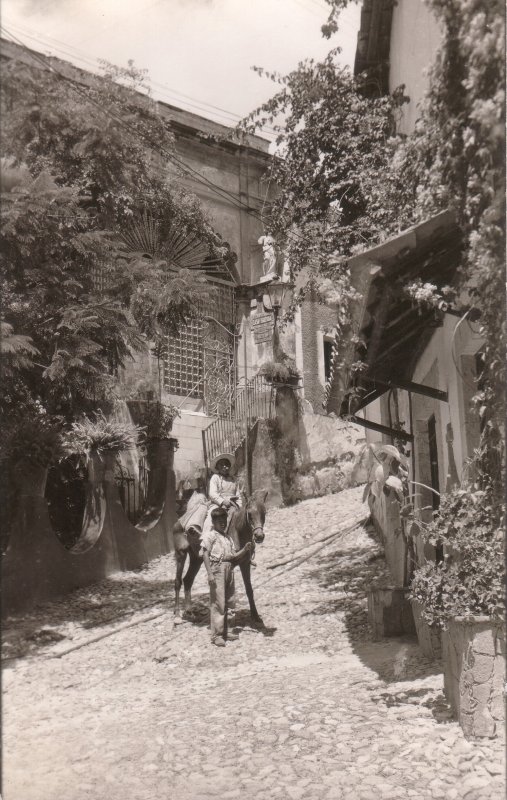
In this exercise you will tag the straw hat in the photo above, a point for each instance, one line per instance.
(223, 456)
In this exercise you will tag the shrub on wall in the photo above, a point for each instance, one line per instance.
(471, 578)
(284, 371)
(155, 418)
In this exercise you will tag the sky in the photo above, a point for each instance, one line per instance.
(199, 53)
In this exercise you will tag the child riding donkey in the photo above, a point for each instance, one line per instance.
(224, 491)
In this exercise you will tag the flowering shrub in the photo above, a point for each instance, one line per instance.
(427, 294)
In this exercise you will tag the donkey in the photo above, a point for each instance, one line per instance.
(246, 525)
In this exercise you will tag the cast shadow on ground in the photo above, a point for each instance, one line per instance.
(199, 616)
(347, 574)
(426, 696)
(112, 601)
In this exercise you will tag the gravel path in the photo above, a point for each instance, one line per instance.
(307, 708)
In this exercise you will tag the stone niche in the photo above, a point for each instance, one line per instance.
(474, 674)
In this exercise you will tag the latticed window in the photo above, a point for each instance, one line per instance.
(220, 304)
(200, 362)
(102, 274)
(100, 277)
(183, 363)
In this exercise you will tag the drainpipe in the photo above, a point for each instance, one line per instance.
(412, 443)
(248, 481)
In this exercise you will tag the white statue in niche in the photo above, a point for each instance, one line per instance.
(269, 255)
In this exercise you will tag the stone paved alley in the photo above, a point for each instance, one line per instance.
(306, 709)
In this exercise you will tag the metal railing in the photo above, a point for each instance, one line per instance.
(252, 402)
(133, 490)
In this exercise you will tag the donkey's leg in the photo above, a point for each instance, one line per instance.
(180, 552)
(181, 556)
(245, 572)
(188, 581)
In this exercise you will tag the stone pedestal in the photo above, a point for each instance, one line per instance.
(389, 612)
(474, 674)
(428, 636)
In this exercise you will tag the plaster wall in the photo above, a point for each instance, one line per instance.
(189, 457)
(412, 22)
(237, 174)
(447, 363)
(142, 371)
(328, 456)
(446, 348)
(441, 367)
(373, 413)
(451, 350)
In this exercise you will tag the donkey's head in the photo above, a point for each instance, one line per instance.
(255, 513)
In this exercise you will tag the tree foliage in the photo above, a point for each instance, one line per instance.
(81, 160)
(335, 143)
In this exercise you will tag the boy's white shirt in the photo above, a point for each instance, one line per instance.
(217, 545)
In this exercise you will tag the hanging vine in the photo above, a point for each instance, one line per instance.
(347, 180)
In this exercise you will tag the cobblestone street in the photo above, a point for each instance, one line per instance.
(307, 708)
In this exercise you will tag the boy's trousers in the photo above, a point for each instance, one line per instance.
(221, 597)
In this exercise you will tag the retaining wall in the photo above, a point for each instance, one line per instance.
(37, 567)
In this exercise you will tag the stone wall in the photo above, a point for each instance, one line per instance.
(474, 674)
(328, 456)
(262, 463)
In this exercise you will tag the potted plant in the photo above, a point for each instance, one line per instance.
(155, 418)
(284, 372)
(464, 596)
(99, 440)
(31, 446)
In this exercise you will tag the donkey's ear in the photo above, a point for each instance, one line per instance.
(263, 494)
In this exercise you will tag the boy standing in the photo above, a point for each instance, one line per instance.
(220, 557)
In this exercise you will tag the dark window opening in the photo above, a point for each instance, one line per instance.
(435, 481)
(328, 359)
(479, 377)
